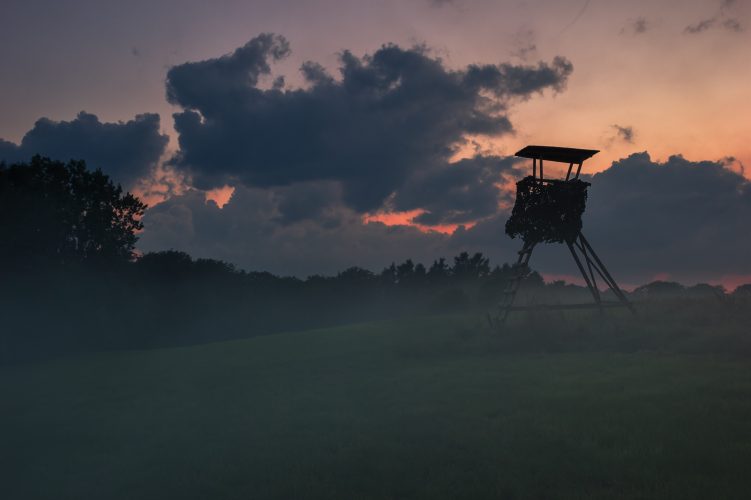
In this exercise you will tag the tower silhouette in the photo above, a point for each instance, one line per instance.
(550, 211)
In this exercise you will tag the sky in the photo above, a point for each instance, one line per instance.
(361, 132)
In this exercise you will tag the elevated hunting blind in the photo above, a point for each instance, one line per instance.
(550, 211)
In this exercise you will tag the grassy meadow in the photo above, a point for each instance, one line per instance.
(555, 406)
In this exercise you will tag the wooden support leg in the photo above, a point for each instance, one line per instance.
(604, 274)
(593, 290)
(590, 267)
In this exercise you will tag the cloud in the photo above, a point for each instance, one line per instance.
(626, 134)
(127, 151)
(524, 52)
(732, 25)
(688, 219)
(637, 26)
(388, 118)
(469, 191)
(700, 27)
(721, 20)
(308, 201)
(249, 232)
(524, 44)
(442, 3)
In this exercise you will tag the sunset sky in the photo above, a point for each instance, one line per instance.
(398, 111)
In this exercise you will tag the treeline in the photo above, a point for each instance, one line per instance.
(168, 298)
(464, 270)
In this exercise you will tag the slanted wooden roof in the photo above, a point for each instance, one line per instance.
(553, 153)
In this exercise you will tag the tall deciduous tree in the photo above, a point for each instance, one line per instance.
(61, 213)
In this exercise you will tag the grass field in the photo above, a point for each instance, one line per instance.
(422, 408)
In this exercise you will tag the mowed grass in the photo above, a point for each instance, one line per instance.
(423, 408)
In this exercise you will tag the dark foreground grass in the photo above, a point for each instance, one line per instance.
(425, 408)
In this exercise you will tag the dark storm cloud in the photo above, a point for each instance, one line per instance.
(626, 134)
(387, 117)
(680, 217)
(469, 191)
(127, 151)
(313, 200)
(215, 86)
(508, 80)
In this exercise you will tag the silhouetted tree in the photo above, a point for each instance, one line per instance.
(470, 268)
(405, 272)
(533, 278)
(62, 213)
(168, 264)
(702, 290)
(501, 272)
(660, 289)
(171, 265)
(438, 272)
(214, 268)
(420, 274)
(388, 276)
(356, 276)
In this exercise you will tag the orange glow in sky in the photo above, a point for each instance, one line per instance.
(220, 195)
(405, 219)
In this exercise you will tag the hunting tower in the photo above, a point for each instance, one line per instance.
(550, 211)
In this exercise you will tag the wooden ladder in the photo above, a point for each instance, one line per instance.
(519, 272)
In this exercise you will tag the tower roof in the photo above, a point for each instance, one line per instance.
(553, 153)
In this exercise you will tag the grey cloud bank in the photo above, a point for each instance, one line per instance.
(127, 151)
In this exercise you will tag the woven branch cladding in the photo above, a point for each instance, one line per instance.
(547, 212)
